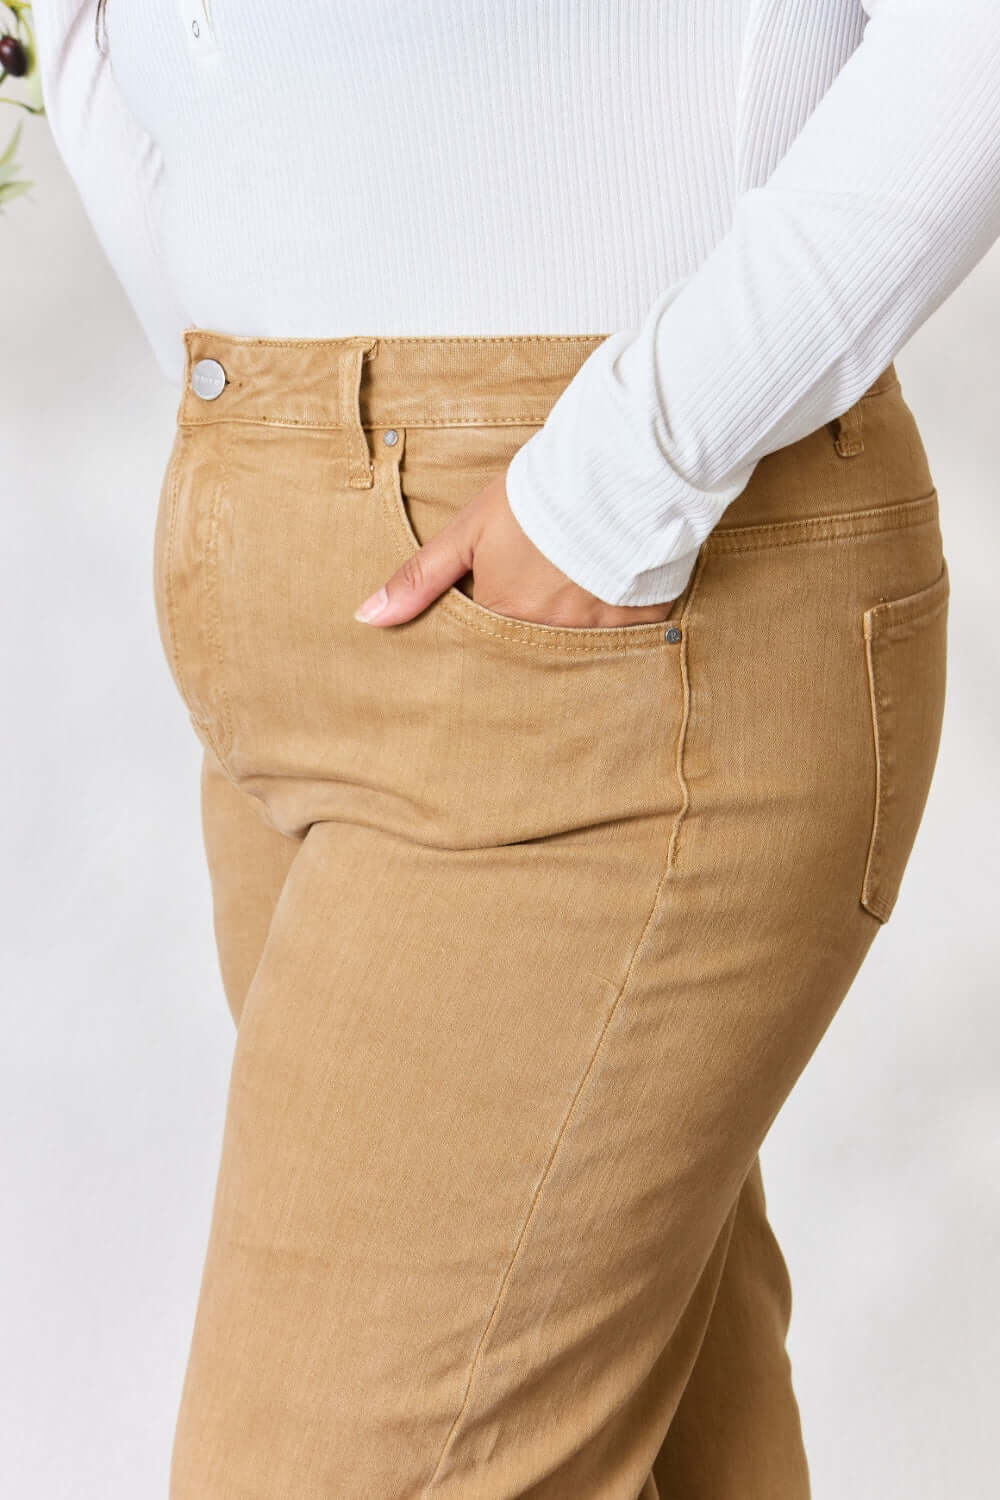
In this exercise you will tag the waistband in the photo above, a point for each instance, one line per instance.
(375, 381)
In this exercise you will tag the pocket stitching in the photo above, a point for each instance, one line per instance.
(879, 906)
(842, 525)
(879, 621)
(648, 634)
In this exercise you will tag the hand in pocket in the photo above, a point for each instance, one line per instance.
(511, 576)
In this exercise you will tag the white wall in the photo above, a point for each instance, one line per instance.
(882, 1169)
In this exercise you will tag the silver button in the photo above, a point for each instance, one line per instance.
(391, 436)
(208, 379)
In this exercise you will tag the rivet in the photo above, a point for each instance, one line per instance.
(673, 634)
(208, 379)
(391, 436)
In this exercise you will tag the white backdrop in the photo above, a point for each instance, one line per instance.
(882, 1170)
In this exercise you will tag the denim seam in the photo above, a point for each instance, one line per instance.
(682, 734)
(403, 338)
(533, 419)
(490, 338)
(222, 743)
(872, 894)
(168, 573)
(522, 632)
(909, 609)
(844, 525)
(879, 622)
(547, 1171)
(481, 419)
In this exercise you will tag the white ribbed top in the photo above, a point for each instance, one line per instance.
(758, 200)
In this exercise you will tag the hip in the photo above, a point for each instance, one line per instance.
(801, 669)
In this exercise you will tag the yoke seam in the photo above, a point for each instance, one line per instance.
(843, 524)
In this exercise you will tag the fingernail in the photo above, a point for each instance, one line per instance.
(372, 606)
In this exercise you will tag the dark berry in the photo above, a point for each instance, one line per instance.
(13, 56)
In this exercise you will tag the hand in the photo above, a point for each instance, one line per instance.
(510, 575)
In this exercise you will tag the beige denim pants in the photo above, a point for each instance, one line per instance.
(527, 931)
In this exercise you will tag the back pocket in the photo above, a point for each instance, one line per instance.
(905, 652)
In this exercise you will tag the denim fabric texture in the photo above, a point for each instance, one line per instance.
(527, 931)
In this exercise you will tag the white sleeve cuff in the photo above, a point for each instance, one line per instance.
(610, 512)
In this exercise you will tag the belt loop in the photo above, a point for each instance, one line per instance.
(360, 470)
(848, 426)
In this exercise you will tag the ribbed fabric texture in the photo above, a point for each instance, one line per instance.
(759, 201)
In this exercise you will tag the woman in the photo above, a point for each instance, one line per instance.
(565, 334)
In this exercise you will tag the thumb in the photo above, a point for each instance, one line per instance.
(424, 575)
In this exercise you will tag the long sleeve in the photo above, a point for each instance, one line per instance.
(114, 164)
(885, 200)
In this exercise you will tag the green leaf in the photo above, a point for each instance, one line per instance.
(9, 190)
(7, 158)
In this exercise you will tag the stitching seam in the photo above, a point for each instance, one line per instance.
(847, 525)
(414, 338)
(168, 573)
(877, 903)
(533, 419)
(523, 631)
(685, 717)
(546, 1174)
(213, 591)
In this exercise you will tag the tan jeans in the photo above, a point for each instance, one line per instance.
(527, 931)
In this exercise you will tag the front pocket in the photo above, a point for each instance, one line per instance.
(905, 654)
(516, 731)
(477, 617)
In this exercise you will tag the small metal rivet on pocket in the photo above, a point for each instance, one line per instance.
(208, 379)
(673, 634)
(390, 437)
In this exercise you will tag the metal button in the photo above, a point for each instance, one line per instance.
(673, 634)
(391, 436)
(208, 379)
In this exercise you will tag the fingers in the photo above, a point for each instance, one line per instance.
(423, 576)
